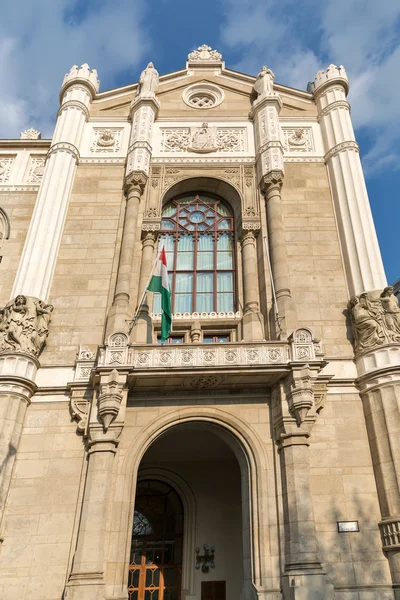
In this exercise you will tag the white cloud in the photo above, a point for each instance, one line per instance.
(297, 38)
(41, 42)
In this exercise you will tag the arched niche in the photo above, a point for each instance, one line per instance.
(4, 226)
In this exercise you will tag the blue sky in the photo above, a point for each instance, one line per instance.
(41, 40)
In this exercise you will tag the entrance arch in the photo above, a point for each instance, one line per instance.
(257, 517)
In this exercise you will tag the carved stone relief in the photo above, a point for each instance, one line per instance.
(6, 164)
(106, 140)
(203, 139)
(204, 53)
(35, 169)
(24, 325)
(30, 134)
(297, 139)
(375, 320)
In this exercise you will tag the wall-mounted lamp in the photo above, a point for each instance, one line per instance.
(206, 560)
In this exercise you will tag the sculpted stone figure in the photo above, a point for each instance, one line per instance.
(265, 82)
(148, 81)
(367, 330)
(24, 325)
(391, 312)
(375, 320)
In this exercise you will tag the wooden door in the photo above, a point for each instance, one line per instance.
(155, 569)
(213, 590)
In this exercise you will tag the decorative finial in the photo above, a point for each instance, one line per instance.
(30, 134)
(204, 53)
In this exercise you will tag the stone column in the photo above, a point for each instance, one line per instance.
(23, 330)
(121, 310)
(106, 419)
(36, 267)
(362, 258)
(144, 109)
(294, 414)
(17, 376)
(286, 312)
(143, 329)
(252, 320)
(270, 173)
(375, 320)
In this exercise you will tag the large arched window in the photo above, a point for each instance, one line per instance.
(156, 549)
(197, 233)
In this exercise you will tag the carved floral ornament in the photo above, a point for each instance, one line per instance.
(24, 325)
(30, 134)
(375, 320)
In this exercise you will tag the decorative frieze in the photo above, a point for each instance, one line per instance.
(297, 139)
(203, 139)
(106, 140)
(6, 164)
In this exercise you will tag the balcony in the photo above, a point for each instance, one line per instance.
(198, 366)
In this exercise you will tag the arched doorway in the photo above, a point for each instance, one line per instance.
(155, 569)
(196, 455)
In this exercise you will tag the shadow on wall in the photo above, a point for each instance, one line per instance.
(12, 451)
(354, 559)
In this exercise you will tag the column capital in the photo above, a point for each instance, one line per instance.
(149, 234)
(271, 180)
(136, 180)
(248, 236)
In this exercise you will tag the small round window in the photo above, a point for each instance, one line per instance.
(203, 96)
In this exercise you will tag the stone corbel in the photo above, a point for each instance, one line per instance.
(79, 405)
(110, 397)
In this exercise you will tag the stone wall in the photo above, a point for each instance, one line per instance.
(85, 270)
(18, 207)
(317, 276)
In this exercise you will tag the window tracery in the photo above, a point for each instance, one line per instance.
(197, 233)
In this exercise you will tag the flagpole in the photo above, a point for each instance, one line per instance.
(135, 316)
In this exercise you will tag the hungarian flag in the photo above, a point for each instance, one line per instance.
(160, 283)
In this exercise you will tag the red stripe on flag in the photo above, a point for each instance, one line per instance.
(163, 257)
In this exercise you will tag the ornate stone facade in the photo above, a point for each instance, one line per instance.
(265, 425)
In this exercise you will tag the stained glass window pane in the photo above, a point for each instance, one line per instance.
(225, 302)
(166, 224)
(224, 224)
(224, 242)
(206, 242)
(225, 282)
(168, 242)
(205, 261)
(223, 210)
(205, 282)
(204, 302)
(184, 282)
(169, 210)
(224, 260)
(183, 303)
